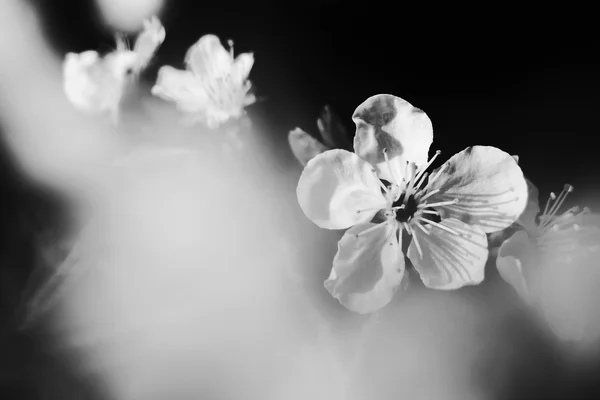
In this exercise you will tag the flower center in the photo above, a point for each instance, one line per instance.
(407, 200)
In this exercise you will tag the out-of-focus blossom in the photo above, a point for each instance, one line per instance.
(552, 262)
(213, 88)
(96, 84)
(333, 135)
(383, 188)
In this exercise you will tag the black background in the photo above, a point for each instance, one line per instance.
(527, 84)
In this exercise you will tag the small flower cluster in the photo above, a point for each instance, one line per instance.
(213, 88)
(383, 189)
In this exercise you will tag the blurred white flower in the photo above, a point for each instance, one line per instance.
(552, 262)
(382, 189)
(96, 84)
(214, 88)
(333, 136)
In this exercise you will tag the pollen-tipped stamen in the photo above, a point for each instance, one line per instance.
(415, 240)
(442, 227)
(428, 195)
(416, 181)
(547, 218)
(439, 204)
(371, 229)
(430, 212)
(230, 44)
(433, 177)
(387, 162)
(362, 210)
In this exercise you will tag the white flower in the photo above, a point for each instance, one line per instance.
(384, 188)
(96, 84)
(214, 87)
(552, 262)
(333, 136)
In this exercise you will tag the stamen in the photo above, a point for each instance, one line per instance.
(362, 210)
(421, 227)
(230, 43)
(428, 195)
(387, 161)
(547, 218)
(420, 176)
(433, 178)
(422, 169)
(417, 245)
(430, 212)
(385, 188)
(407, 227)
(442, 227)
(439, 204)
(371, 229)
(551, 198)
(399, 207)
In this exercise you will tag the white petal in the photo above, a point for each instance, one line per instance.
(148, 41)
(78, 85)
(241, 69)
(449, 261)
(488, 184)
(182, 88)
(208, 58)
(367, 270)
(517, 256)
(304, 147)
(532, 209)
(335, 186)
(388, 122)
(95, 84)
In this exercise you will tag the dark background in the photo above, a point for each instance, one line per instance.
(527, 84)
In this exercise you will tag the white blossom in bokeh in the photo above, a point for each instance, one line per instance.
(96, 84)
(382, 189)
(213, 88)
(552, 262)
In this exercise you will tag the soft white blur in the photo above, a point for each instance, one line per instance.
(198, 275)
(128, 15)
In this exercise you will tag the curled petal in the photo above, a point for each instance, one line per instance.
(388, 122)
(487, 183)
(208, 58)
(332, 130)
(241, 68)
(304, 146)
(337, 189)
(518, 255)
(453, 255)
(532, 209)
(182, 88)
(367, 270)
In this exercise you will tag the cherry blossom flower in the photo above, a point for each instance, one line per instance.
(96, 84)
(383, 188)
(333, 136)
(552, 262)
(213, 88)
